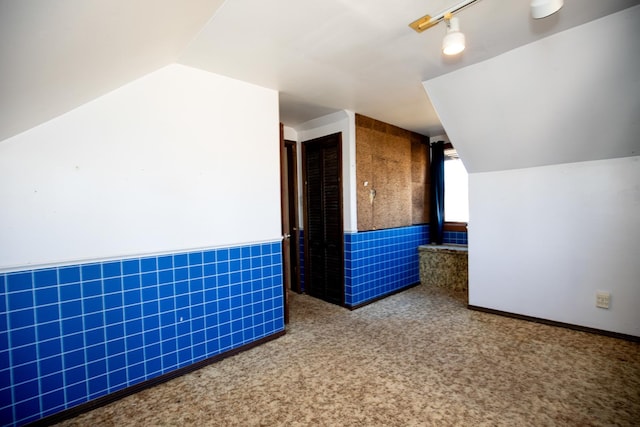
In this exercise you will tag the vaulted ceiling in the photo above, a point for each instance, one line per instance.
(322, 56)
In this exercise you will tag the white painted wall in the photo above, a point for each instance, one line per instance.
(342, 121)
(570, 97)
(543, 240)
(179, 159)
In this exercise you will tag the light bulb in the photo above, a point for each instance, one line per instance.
(454, 41)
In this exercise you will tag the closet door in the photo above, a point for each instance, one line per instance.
(324, 245)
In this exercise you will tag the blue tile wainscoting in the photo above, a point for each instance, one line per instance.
(74, 333)
(381, 262)
(455, 237)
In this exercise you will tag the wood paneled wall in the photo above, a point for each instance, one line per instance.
(391, 175)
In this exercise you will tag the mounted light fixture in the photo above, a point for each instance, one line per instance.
(454, 41)
(429, 21)
(544, 8)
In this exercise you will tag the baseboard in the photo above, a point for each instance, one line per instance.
(618, 335)
(371, 301)
(112, 397)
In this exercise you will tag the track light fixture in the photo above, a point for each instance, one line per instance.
(544, 8)
(454, 41)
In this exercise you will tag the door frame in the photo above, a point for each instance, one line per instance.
(286, 226)
(292, 168)
(305, 216)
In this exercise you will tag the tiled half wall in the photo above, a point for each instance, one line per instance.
(73, 333)
(381, 262)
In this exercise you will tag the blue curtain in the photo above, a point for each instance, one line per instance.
(436, 217)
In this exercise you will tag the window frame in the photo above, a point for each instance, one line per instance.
(453, 225)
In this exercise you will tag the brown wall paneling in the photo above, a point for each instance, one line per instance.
(419, 181)
(393, 162)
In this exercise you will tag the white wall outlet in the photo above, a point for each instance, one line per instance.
(603, 299)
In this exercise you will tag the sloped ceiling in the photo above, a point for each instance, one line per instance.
(323, 56)
(57, 55)
(359, 55)
(574, 96)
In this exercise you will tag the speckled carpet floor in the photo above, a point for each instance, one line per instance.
(418, 358)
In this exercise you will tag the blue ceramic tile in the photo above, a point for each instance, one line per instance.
(74, 358)
(209, 270)
(196, 298)
(72, 342)
(149, 280)
(148, 264)
(133, 311)
(19, 281)
(50, 365)
(54, 398)
(70, 292)
(134, 327)
(92, 305)
(20, 300)
(165, 262)
(95, 336)
(46, 296)
(48, 277)
(91, 271)
(112, 285)
(131, 282)
(26, 390)
(130, 266)
(98, 385)
(21, 318)
(69, 274)
(72, 325)
(91, 288)
(25, 410)
(180, 260)
(111, 269)
(165, 276)
(112, 301)
(209, 256)
(195, 258)
(76, 392)
(222, 255)
(96, 352)
(132, 297)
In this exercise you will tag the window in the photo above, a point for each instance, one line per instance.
(456, 188)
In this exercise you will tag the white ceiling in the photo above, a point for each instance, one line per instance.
(57, 55)
(322, 56)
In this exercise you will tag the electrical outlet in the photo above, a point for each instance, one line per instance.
(603, 299)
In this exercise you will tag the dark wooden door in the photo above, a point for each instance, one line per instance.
(324, 244)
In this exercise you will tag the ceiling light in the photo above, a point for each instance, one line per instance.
(453, 42)
(544, 8)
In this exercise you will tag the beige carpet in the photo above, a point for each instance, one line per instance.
(416, 358)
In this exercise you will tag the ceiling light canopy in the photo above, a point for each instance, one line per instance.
(544, 8)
